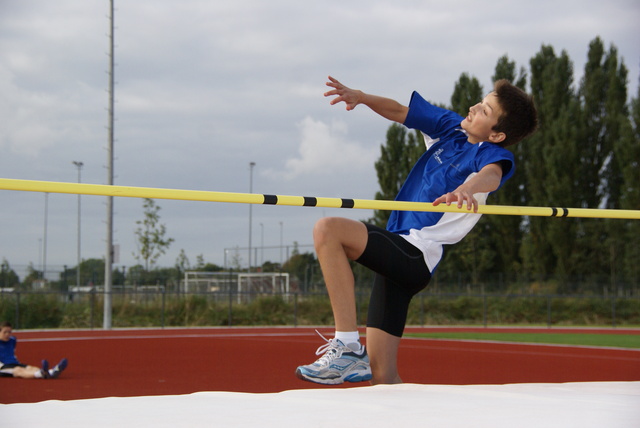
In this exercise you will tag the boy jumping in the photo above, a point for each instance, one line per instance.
(465, 160)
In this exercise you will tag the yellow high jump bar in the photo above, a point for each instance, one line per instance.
(300, 201)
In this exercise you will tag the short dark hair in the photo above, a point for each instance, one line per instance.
(5, 324)
(519, 117)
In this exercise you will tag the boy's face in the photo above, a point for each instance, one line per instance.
(481, 119)
(5, 334)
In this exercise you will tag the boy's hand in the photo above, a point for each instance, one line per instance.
(487, 180)
(385, 107)
(348, 95)
(461, 195)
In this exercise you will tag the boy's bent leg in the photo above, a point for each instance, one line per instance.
(337, 241)
(382, 348)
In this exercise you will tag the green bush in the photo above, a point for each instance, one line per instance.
(76, 316)
(48, 310)
(516, 310)
(628, 311)
(188, 310)
(35, 310)
(7, 307)
(314, 310)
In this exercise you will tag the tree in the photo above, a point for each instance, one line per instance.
(211, 267)
(91, 272)
(182, 262)
(467, 93)
(572, 162)
(136, 275)
(199, 262)
(302, 267)
(627, 156)
(151, 235)
(603, 94)
(551, 165)
(8, 277)
(33, 275)
(235, 260)
(506, 69)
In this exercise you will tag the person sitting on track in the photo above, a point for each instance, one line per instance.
(465, 160)
(10, 366)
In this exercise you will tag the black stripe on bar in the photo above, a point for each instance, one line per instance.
(310, 201)
(270, 200)
(347, 203)
(554, 211)
(565, 212)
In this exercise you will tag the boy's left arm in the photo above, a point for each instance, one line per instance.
(486, 180)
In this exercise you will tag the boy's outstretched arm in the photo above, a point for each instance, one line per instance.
(486, 180)
(385, 107)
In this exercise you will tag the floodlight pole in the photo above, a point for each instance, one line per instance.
(251, 165)
(281, 261)
(79, 166)
(261, 244)
(108, 264)
(44, 244)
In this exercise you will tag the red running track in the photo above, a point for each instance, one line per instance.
(127, 363)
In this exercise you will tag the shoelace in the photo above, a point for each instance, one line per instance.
(330, 350)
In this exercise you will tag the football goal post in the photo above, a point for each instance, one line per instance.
(247, 286)
(251, 285)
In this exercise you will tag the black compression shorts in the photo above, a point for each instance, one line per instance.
(401, 273)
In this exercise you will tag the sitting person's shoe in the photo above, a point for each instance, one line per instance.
(59, 368)
(44, 369)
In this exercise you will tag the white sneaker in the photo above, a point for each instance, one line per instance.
(340, 363)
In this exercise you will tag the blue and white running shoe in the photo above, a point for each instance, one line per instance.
(59, 368)
(340, 363)
(44, 369)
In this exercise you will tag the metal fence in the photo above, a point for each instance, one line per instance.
(154, 306)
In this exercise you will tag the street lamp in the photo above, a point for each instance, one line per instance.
(261, 244)
(79, 165)
(251, 165)
(44, 244)
(281, 261)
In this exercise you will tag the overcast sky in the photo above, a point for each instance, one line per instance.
(205, 87)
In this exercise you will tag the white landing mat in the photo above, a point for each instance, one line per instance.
(584, 404)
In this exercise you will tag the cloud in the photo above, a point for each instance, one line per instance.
(46, 119)
(203, 88)
(325, 149)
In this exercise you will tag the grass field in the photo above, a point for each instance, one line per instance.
(631, 341)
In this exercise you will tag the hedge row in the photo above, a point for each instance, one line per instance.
(35, 311)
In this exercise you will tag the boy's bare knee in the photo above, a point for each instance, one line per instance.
(322, 231)
(21, 372)
(332, 233)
